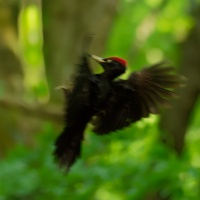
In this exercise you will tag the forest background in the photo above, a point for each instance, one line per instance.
(40, 40)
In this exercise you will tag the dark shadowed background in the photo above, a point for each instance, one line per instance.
(40, 43)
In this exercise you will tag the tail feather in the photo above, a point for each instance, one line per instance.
(68, 147)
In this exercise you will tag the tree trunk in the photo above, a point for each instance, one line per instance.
(11, 72)
(175, 121)
(65, 25)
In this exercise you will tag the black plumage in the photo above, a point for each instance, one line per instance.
(109, 103)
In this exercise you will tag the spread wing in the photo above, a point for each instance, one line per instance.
(77, 115)
(77, 96)
(144, 92)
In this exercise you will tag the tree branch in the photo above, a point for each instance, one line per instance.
(40, 111)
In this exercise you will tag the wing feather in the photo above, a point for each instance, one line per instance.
(79, 90)
(143, 93)
(68, 144)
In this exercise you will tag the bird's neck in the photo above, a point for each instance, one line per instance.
(110, 75)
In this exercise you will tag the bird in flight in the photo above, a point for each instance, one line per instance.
(109, 103)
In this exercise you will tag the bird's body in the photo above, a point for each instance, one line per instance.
(109, 103)
(87, 96)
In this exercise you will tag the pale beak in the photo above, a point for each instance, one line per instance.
(98, 59)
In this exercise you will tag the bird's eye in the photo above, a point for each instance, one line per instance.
(109, 61)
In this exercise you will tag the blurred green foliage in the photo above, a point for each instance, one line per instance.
(127, 164)
(30, 38)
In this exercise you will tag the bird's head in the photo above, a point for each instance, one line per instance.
(114, 66)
